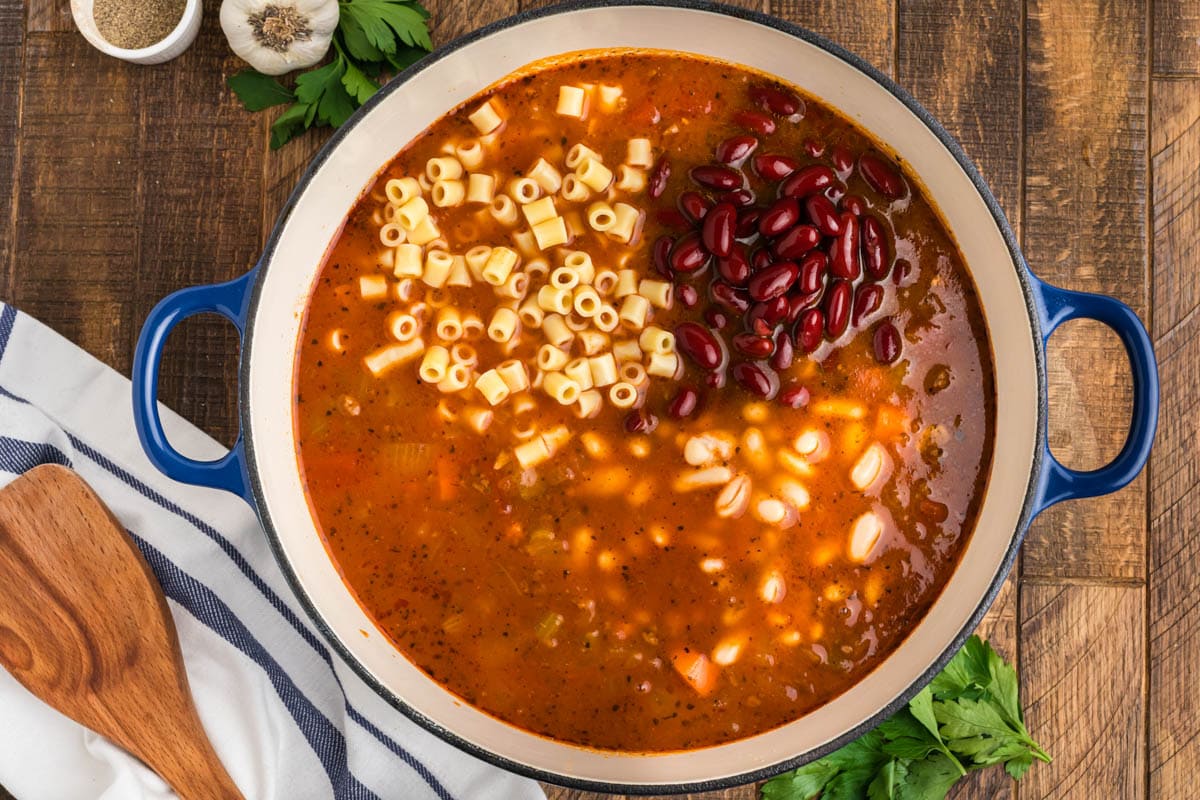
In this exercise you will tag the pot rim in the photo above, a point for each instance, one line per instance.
(1028, 509)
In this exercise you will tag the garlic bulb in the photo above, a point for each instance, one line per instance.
(278, 36)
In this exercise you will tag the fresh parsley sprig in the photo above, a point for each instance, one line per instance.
(968, 718)
(373, 38)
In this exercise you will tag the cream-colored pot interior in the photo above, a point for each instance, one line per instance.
(330, 193)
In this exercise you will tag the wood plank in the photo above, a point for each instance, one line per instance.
(1083, 685)
(1176, 37)
(865, 27)
(1174, 584)
(12, 41)
(77, 229)
(1085, 228)
(962, 61)
(200, 155)
(453, 18)
(49, 16)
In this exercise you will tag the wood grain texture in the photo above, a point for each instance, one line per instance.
(865, 27)
(962, 61)
(453, 18)
(90, 633)
(78, 233)
(1083, 684)
(12, 42)
(1085, 228)
(200, 216)
(1174, 584)
(1176, 37)
(49, 15)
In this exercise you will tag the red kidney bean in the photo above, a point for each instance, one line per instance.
(814, 147)
(774, 167)
(715, 379)
(715, 318)
(640, 421)
(755, 318)
(809, 180)
(822, 214)
(882, 176)
(715, 176)
(684, 403)
(784, 353)
(855, 204)
(753, 346)
(796, 242)
(886, 343)
(773, 281)
(761, 259)
(783, 214)
(731, 297)
(693, 206)
(662, 255)
(742, 198)
(844, 262)
(756, 379)
(868, 297)
(874, 248)
(699, 344)
(673, 219)
(718, 229)
(778, 101)
(793, 397)
(797, 302)
(901, 272)
(735, 149)
(748, 222)
(843, 159)
(688, 254)
(773, 312)
(812, 272)
(837, 307)
(811, 330)
(687, 295)
(755, 122)
(657, 184)
(735, 267)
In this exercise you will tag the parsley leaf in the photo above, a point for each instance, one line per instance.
(968, 718)
(374, 39)
(258, 91)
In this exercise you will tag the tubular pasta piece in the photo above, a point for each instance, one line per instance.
(655, 340)
(492, 387)
(504, 210)
(606, 318)
(550, 233)
(514, 375)
(572, 102)
(581, 262)
(623, 395)
(604, 370)
(661, 294)
(539, 210)
(531, 313)
(373, 287)
(470, 155)
(580, 153)
(600, 216)
(589, 404)
(561, 388)
(628, 221)
(448, 193)
(425, 232)
(634, 311)
(593, 342)
(460, 273)
(448, 326)
(403, 327)
(485, 118)
(578, 370)
(458, 377)
(411, 213)
(392, 355)
(593, 173)
(630, 179)
(400, 190)
(443, 168)
(546, 176)
(437, 268)
(550, 358)
(554, 298)
(434, 364)
(574, 190)
(499, 265)
(627, 283)
(638, 153)
(556, 331)
(481, 187)
(610, 97)
(504, 325)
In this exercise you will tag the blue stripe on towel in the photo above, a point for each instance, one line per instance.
(8, 315)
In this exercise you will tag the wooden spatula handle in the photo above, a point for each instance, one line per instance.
(86, 628)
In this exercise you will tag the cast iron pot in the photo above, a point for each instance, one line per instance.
(266, 305)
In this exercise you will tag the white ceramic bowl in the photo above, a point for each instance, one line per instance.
(165, 49)
(1020, 312)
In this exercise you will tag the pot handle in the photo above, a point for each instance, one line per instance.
(230, 300)
(1056, 482)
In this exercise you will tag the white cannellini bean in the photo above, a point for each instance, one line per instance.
(712, 566)
(812, 444)
(772, 589)
(703, 478)
(705, 449)
(727, 652)
(870, 467)
(734, 499)
(772, 511)
(795, 493)
(864, 535)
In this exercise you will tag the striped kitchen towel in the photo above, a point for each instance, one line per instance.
(288, 718)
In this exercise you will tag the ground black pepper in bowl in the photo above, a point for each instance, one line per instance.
(134, 24)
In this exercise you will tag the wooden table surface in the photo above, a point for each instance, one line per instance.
(1084, 115)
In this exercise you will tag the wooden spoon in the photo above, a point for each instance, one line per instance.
(85, 627)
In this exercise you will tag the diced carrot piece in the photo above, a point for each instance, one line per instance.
(891, 423)
(695, 668)
(447, 479)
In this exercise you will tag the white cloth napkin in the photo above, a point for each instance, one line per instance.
(288, 718)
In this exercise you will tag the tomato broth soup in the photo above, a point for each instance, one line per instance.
(644, 402)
